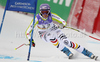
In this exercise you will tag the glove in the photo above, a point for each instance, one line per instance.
(33, 44)
(61, 26)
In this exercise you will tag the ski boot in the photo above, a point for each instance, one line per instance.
(67, 52)
(94, 57)
(89, 54)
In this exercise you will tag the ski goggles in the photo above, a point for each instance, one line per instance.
(45, 12)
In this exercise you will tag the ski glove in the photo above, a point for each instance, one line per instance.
(61, 26)
(33, 44)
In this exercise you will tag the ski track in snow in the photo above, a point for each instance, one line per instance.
(13, 35)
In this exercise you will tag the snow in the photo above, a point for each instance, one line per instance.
(13, 35)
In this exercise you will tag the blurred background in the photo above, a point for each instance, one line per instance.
(81, 14)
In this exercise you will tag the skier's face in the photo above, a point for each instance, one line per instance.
(45, 13)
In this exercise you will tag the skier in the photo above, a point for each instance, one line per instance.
(49, 32)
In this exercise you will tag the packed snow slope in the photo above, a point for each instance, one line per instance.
(13, 35)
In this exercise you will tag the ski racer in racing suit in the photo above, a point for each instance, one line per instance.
(49, 32)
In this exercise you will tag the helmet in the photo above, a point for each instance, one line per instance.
(44, 9)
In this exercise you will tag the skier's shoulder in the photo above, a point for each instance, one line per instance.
(37, 14)
(54, 15)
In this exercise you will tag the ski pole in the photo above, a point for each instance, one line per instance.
(21, 46)
(83, 33)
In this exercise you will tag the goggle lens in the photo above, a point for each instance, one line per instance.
(45, 12)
